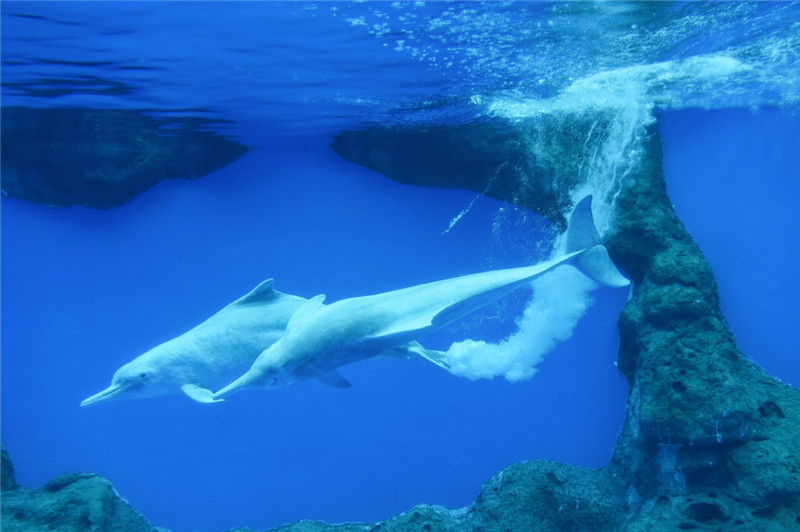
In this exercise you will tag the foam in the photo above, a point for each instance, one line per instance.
(560, 299)
(709, 82)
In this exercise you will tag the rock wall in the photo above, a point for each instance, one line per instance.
(709, 439)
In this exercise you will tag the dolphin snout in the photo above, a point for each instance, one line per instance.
(245, 381)
(106, 394)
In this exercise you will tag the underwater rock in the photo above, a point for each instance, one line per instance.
(72, 502)
(103, 158)
(532, 167)
(709, 437)
(7, 479)
(537, 496)
(314, 526)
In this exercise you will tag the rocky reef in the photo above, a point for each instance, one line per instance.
(72, 502)
(103, 158)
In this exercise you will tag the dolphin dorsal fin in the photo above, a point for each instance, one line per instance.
(306, 309)
(263, 292)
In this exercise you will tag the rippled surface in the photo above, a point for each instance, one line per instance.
(277, 68)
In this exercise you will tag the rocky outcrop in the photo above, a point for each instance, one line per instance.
(536, 496)
(72, 502)
(533, 167)
(7, 479)
(103, 158)
(710, 438)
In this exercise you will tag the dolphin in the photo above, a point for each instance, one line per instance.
(210, 354)
(320, 338)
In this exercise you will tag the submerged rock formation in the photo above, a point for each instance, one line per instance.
(72, 502)
(530, 167)
(490, 158)
(710, 438)
(103, 158)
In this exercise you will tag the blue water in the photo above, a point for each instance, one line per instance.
(84, 291)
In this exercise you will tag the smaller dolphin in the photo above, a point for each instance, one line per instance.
(320, 338)
(209, 355)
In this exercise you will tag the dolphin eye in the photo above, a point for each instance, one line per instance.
(143, 375)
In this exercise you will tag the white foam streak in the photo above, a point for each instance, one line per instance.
(705, 81)
(560, 299)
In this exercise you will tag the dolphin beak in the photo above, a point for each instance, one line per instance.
(106, 394)
(242, 382)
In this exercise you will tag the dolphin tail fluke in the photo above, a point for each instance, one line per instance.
(594, 262)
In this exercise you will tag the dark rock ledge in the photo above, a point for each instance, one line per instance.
(710, 441)
(103, 158)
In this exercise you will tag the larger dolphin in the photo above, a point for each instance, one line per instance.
(320, 338)
(209, 355)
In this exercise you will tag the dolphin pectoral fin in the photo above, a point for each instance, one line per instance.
(334, 380)
(403, 351)
(200, 394)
